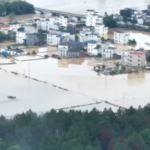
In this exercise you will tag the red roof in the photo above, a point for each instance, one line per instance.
(138, 53)
(5, 26)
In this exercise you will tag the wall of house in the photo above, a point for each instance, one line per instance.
(136, 60)
(53, 39)
(121, 38)
(62, 50)
(20, 37)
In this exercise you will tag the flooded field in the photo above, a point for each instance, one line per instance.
(80, 6)
(140, 37)
(83, 84)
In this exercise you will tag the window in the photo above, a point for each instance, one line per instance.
(130, 60)
(139, 60)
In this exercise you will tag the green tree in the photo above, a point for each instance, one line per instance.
(121, 146)
(21, 29)
(15, 147)
(148, 58)
(2, 10)
(146, 136)
(109, 21)
(125, 13)
(135, 142)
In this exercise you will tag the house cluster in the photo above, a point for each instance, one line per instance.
(142, 18)
(79, 36)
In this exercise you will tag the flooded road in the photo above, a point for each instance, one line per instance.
(84, 86)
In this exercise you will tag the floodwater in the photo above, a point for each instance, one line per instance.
(80, 6)
(140, 37)
(84, 86)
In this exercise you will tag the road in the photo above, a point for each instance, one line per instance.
(59, 12)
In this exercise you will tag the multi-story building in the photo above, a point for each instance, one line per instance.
(100, 29)
(71, 49)
(15, 26)
(121, 37)
(20, 37)
(5, 29)
(91, 48)
(53, 39)
(136, 59)
(107, 50)
(92, 18)
(88, 37)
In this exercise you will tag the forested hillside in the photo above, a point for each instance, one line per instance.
(18, 8)
(76, 130)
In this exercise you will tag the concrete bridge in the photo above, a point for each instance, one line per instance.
(59, 12)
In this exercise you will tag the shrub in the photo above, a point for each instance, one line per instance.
(46, 56)
(34, 53)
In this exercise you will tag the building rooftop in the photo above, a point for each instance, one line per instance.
(138, 53)
(4, 26)
(90, 42)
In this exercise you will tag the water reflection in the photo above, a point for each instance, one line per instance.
(136, 78)
(66, 62)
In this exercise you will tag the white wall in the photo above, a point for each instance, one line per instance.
(52, 39)
(62, 50)
(101, 29)
(91, 49)
(121, 37)
(20, 37)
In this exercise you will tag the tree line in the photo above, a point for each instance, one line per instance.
(76, 130)
(17, 7)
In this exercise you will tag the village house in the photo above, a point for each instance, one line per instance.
(71, 49)
(88, 37)
(5, 29)
(8, 51)
(91, 48)
(121, 37)
(31, 39)
(53, 39)
(100, 29)
(20, 37)
(92, 18)
(107, 50)
(15, 26)
(136, 59)
(124, 56)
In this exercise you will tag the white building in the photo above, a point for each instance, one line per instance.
(100, 29)
(53, 39)
(92, 18)
(20, 37)
(121, 37)
(15, 26)
(88, 37)
(62, 50)
(107, 50)
(137, 59)
(86, 30)
(91, 48)
(124, 56)
(5, 28)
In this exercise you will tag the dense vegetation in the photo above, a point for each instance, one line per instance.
(109, 21)
(76, 130)
(17, 7)
(132, 42)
